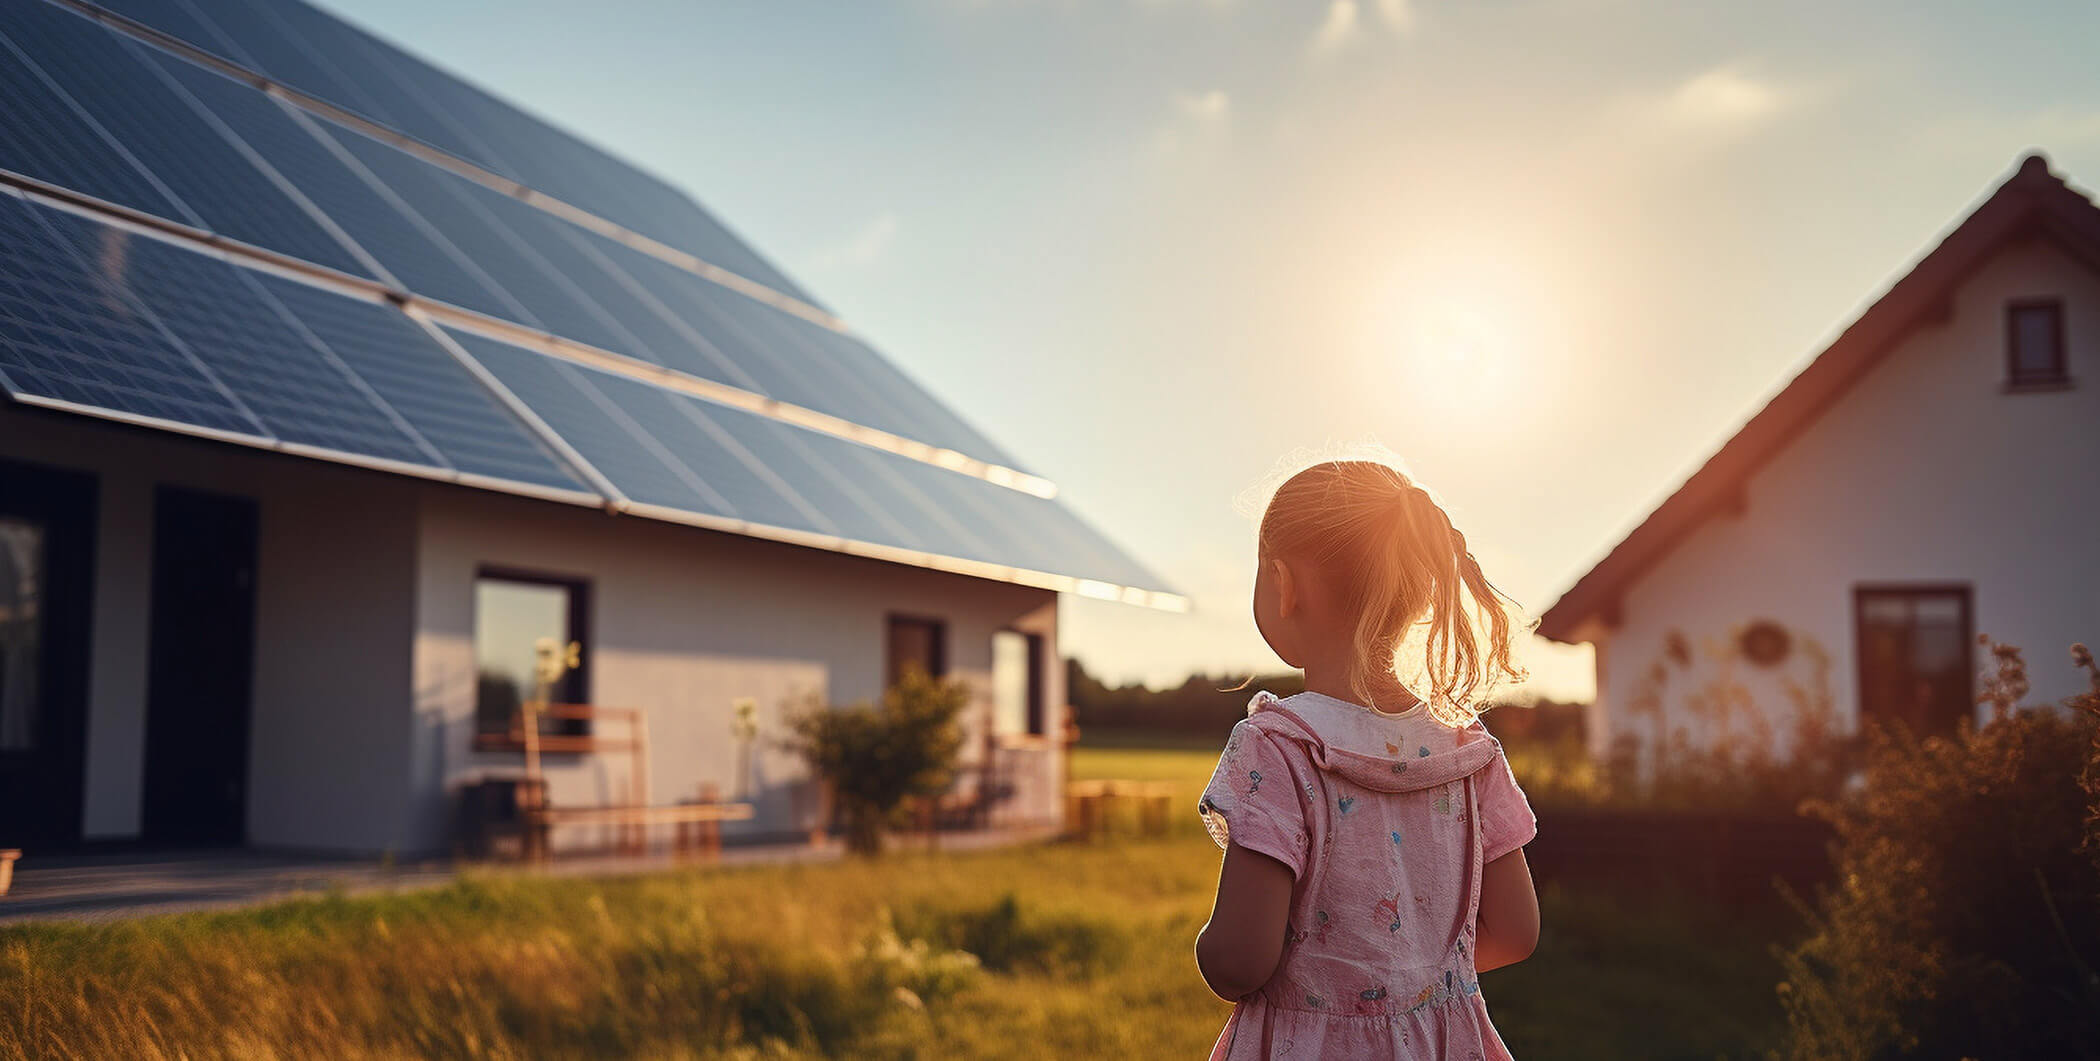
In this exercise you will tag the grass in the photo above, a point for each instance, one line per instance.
(1071, 950)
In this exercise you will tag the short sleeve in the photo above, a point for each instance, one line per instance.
(1255, 799)
(1506, 820)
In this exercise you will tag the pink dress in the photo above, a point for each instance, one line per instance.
(1385, 822)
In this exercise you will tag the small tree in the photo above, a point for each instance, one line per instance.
(874, 757)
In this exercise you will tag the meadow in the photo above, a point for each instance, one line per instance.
(1061, 950)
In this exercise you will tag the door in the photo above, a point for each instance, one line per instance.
(47, 534)
(200, 666)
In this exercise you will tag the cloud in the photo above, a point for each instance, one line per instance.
(862, 248)
(1198, 118)
(1338, 28)
(1205, 108)
(1724, 96)
(1399, 15)
(1345, 22)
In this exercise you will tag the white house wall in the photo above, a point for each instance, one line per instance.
(332, 622)
(1923, 472)
(683, 622)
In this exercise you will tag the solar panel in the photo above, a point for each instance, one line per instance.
(793, 455)
(623, 455)
(178, 19)
(722, 461)
(323, 56)
(72, 332)
(565, 167)
(269, 46)
(424, 384)
(212, 186)
(96, 315)
(752, 490)
(473, 218)
(227, 324)
(401, 242)
(431, 118)
(44, 136)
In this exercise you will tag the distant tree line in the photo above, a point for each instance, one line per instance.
(1206, 705)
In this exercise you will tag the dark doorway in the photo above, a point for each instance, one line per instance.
(914, 641)
(47, 535)
(200, 667)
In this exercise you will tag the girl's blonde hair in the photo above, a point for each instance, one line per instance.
(1378, 537)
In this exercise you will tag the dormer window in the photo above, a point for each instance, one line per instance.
(2034, 344)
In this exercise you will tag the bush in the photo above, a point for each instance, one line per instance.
(875, 757)
(1006, 938)
(1966, 917)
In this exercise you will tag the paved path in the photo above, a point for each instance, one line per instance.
(114, 886)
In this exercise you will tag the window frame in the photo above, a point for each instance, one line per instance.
(939, 640)
(577, 681)
(1912, 591)
(2058, 375)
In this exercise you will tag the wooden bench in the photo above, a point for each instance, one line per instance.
(1089, 804)
(699, 821)
(699, 824)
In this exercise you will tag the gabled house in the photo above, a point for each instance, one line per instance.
(333, 386)
(1926, 478)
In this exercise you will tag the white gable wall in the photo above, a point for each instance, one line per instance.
(1923, 472)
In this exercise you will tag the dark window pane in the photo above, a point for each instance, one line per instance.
(1914, 657)
(915, 642)
(21, 631)
(2035, 332)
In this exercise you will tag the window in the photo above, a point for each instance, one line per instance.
(513, 612)
(1017, 683)
(2034, 343)
(1914, 656)
(914, 640)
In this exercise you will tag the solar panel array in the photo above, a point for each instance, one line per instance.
(619, 342)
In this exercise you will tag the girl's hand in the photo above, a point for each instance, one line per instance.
(1239, 948)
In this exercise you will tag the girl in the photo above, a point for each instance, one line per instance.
(1373, 838)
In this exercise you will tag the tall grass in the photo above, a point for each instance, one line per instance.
(1057, 951)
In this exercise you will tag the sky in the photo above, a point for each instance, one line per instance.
(1550, 252)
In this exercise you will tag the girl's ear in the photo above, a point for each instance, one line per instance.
(1287, 602)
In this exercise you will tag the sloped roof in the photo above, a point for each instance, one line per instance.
(2032, 202)
(248, 220)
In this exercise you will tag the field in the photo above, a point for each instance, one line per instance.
(1074, 950)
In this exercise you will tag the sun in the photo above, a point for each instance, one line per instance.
(1456, 333)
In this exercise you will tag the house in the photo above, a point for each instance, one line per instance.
(1925, 479)
(335, 385)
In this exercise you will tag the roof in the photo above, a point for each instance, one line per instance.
(249, 221)
(2032, 202)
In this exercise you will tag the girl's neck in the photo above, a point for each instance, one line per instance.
(1332, 680)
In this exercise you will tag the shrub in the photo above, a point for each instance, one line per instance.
(1007, 938)
(1966, 917)
(874, 757)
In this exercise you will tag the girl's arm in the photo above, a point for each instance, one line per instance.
(1509, 914)
(1240, 946)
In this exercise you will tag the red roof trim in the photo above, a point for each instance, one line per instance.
(2031, 202)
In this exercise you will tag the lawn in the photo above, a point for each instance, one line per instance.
(1084, 952)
